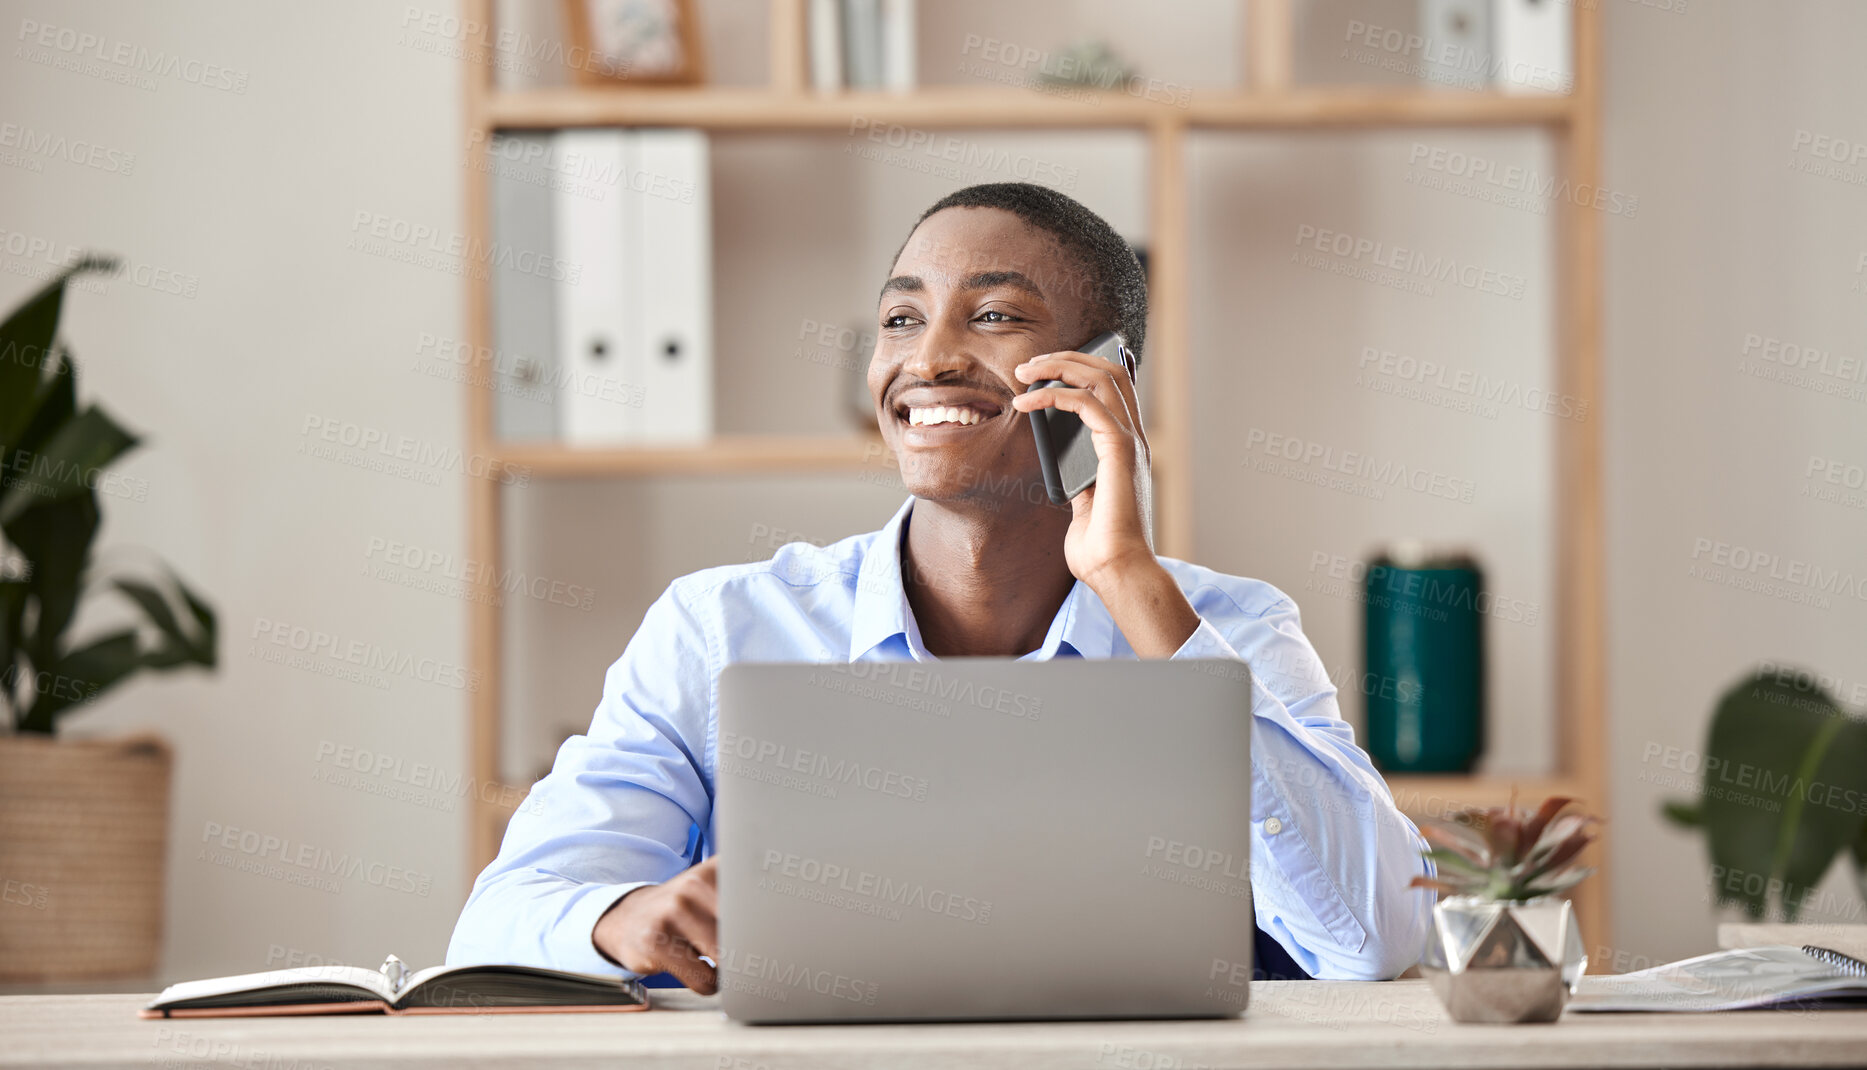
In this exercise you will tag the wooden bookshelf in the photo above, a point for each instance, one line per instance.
(1269, 101)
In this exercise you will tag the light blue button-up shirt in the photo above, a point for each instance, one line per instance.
(624, 806)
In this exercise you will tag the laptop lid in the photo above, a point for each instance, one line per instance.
(984, 838)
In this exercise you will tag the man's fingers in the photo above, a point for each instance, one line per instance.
(1083, 403)
(690, 971)
(699, 923)
(697, 896)
(1085, 374)
(1131, 406)
(1088, 373)
(676, 948)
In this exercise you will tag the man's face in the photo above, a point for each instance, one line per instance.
(975, 293)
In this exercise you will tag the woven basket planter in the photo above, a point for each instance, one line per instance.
(83, 838)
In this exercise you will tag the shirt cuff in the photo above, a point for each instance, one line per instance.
(579, 955)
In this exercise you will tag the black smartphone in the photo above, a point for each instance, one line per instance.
(1065, 448)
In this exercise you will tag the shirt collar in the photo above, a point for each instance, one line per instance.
(882, 612)
(1082, 625)
(881, 609)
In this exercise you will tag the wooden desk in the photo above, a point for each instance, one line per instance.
(1290, 1024)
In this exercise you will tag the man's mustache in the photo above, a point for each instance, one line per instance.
(997, 390)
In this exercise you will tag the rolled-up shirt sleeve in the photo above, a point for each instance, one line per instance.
(623, 806)
(1332, 857)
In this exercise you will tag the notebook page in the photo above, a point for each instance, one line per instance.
(369, 980)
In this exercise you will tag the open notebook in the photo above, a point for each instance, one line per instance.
(394, 990)
(1730, 981)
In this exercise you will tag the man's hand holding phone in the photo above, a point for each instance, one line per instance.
(1110, 544)
(666, 928)
(1112, 518)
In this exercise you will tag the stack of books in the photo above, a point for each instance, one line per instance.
(862, 44)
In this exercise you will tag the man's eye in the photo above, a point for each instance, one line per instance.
(1001, 317)
(896, 322)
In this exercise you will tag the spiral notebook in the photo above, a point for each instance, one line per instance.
(393, 989)
(1745, 979)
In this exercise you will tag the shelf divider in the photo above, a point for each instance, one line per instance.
(1270, 44)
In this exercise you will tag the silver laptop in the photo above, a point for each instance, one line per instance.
(984, 838)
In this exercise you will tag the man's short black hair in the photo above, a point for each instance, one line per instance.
(1110, 277)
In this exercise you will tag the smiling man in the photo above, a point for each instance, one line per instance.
(608, 868)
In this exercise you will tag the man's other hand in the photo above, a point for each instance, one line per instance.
(666, 928)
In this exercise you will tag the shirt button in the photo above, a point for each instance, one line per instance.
(1272, 826)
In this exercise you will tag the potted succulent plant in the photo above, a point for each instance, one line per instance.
(1504, 946)
(83, 823)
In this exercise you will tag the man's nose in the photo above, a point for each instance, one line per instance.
(940, 349)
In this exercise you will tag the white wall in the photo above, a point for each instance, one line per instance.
(348, 110)
(254, 194)
(1731, 239)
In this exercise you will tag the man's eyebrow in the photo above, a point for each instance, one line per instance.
(986, 280)
(981, 280)
(903, 284)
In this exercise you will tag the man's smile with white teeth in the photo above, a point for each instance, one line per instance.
(931, 415)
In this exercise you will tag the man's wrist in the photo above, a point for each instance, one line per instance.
(1136, 569)
(609, 920)
(1147, 605)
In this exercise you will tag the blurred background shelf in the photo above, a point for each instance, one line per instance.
(721, 454)
(987, 107)
(1422, 796)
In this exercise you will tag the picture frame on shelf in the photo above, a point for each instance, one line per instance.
(635, 42)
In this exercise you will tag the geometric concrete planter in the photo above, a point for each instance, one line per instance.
(1495, 961)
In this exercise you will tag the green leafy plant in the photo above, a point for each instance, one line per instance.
(1782, 791)
(1508, 854)
(52, 453)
